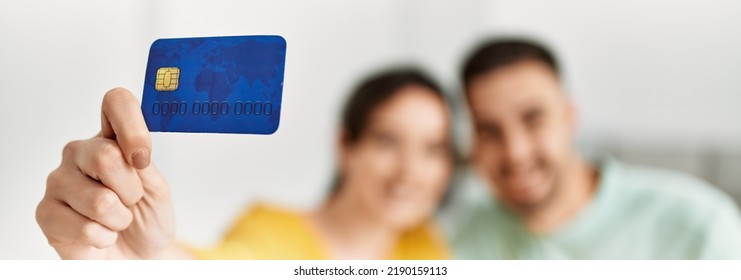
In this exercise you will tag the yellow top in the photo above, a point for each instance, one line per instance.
(265, 232)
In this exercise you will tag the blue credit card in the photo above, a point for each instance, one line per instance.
(215, 85)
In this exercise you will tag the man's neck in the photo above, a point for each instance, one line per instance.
(575, 191)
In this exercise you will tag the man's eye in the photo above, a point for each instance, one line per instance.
(533, 117)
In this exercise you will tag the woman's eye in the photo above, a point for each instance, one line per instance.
(438, 149)
(386, 140)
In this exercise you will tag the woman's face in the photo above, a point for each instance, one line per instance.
(399, 167)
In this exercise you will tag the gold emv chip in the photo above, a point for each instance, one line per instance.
(167, 79)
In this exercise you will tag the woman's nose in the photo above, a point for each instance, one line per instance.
(408, 166)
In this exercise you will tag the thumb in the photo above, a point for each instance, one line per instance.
(122, 120)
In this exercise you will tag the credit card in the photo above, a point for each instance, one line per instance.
(228, 84)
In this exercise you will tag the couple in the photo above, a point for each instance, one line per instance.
(106, 200)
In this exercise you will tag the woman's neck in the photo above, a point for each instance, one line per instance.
(350, 231)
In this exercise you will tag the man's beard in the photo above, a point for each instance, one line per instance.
(553, 190)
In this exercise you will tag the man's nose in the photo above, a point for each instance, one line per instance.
(517, 147)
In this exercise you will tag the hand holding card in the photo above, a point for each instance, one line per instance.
(106, 200)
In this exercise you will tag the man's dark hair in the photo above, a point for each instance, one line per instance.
(497, 53)
(374, 91)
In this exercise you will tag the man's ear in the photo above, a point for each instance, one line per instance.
(571, 114)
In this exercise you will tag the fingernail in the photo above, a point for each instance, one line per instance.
(141, 159)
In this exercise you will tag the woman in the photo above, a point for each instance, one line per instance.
(395, 160)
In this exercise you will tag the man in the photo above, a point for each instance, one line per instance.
(550, 203)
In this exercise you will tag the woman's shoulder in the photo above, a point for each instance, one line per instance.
(424, 242)
(276, 232)
(262, 212)
(270, 220)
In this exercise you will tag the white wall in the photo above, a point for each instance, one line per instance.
(56, 60)
(649, 69)
(636, 69)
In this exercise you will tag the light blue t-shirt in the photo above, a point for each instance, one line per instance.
(636, 213)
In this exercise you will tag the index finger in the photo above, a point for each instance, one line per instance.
(122, 120)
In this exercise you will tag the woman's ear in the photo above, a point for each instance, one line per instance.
(342, 147)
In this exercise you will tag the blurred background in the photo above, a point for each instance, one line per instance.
(656, 82)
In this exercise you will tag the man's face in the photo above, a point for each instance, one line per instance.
(523, 126)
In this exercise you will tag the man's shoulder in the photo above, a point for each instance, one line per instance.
(471, 210)
(670, 193)
(687, 216)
